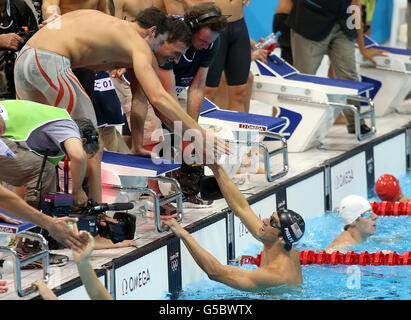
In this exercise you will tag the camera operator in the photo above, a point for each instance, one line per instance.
(17, 23)
(31, 131)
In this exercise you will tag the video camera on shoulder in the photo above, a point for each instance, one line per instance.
(90, 218)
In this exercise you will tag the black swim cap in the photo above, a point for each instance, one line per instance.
(292, 226)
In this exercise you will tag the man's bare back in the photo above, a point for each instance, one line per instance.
(71, 5)
(107, 45)
(128, 9)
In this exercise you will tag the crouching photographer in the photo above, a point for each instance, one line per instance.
(35, 132)
(17, 24)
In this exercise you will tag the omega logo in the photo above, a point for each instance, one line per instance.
(343, 179)
(135, 282)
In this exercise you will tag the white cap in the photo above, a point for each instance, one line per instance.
(351, 207)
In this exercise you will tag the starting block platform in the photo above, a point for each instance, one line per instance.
(391, 75)
(310, 104)
(22, 230)
(267, 128)
(125, 177)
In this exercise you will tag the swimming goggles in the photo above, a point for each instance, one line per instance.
(366, 214)
(273, 223)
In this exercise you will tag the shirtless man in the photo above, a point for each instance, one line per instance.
(81, 41)
(234, 57)
(280, 263)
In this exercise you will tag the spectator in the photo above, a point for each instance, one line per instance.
(206, 23)
(45, 129)
(324, 27)
(15, 15)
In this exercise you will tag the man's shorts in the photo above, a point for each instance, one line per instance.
(46, 77)
(234, 56)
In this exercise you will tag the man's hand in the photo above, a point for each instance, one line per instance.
(83, 255)
(10, 41)
(220, 146)
(9, 220)
(117, 73)
(177, 229)
(49, 20)
(372, 52)
(80, 198)
(260, 54)
(61, 231)
(3, 287)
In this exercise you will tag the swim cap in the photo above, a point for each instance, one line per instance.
(292, 226)
(387, 188)
(352, 207)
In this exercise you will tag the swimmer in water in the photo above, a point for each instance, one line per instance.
(388, 188)
(360, 223)
(280, 262)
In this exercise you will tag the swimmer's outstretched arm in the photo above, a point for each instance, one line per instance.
(236, 201)
(247, 280)
(94, 287)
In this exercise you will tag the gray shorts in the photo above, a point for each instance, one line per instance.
(47, 78)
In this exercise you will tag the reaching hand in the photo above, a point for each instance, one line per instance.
(83, 255)
(80, 198)
(174, 226)
(61, 231)
(372, 52)
(3, 287)
(9, 220)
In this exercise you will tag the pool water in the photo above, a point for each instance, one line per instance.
(332, 282)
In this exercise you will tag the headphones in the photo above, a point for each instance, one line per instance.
(194, 21)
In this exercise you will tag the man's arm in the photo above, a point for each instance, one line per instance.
(94, 288)
(78, 166)
(367, 53)
(196, 93)
(236, 201)
(235, 277)
(57, 228)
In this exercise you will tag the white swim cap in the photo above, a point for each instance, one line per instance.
(352, 207)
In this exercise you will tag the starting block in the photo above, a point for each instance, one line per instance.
(392, 73)
(266, 126)
(22, 231)
(310, 104)
(126, 173)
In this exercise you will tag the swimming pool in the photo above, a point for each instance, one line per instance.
(331, 282)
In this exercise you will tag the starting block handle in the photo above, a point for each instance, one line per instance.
(269, 154)
(43, 254)
(358, 115)
(176, 196)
